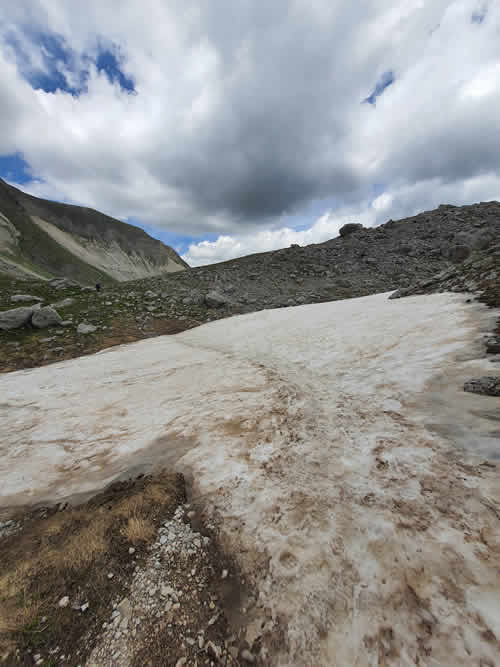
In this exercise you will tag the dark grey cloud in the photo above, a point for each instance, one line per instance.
(245, 112)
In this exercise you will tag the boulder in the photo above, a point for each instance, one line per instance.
(488, 385)
(493, 345)
(64, 303)
(458, 253)
(349, 229)
(15, 318)
(62, 283)
(216, 300)
(24, 298)
(45, 317)
(86, 328)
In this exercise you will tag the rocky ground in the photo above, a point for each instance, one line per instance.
(359, 262)
(479, 274)
(124, 579)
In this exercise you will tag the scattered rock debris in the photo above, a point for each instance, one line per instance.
(488, 385)
(163, 601)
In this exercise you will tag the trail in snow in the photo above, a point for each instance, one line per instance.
(332, 444)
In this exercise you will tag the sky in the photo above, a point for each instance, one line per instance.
(233, 126)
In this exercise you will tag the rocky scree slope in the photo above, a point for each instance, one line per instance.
(41, 238)
(359, 262)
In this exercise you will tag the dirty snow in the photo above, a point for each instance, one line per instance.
(349, 474)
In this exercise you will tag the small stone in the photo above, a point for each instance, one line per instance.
(214, 650)
(20, 298)
(224, 574)
(85, 606)
(83, 328)
(110, 575)
(213, 619)
(131, 550)
(181, 662)
(247, 656)
(64, 601)
(486, 385)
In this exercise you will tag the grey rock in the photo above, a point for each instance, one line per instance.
(45, 317)
(247, 656)
(64, 303)
(493, 346)
(350, 228)
(216, 300)
(213, 650)
(15, 318)
(63, 602)
(458, 253)
(83, 328)
(24, 298)
(488, 385)
(62, 283)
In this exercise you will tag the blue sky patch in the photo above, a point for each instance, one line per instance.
(63, 69)
(478, 16)
(15, 169)
(384, 82)
(108, 63)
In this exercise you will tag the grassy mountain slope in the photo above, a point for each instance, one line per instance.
(51, 238)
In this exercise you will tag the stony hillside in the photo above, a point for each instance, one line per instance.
(41, 238)
(359, 262)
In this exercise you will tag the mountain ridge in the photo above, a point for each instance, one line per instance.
(42, 238)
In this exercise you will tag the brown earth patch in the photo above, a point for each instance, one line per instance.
(71, 553)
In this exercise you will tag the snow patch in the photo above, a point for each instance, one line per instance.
(365, 530)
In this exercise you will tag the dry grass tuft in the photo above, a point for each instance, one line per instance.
(82, 548)
(86, 546)
(74, 549)
(14, 582)
(129, 506)
(157, 494)
(138, 529)
(59, 522)
(13, 618)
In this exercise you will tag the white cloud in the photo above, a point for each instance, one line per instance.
(404, 202)
(246, 112)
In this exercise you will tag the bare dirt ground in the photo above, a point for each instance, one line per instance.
(122, 579)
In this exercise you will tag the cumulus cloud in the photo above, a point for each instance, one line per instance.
(393, 204)
(232, 117)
